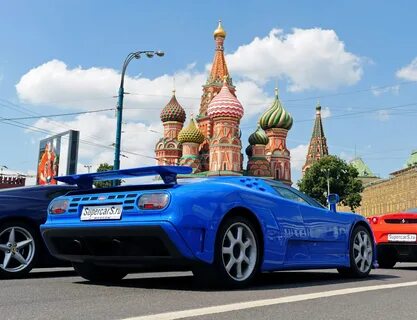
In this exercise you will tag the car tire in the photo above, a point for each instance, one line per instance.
(386, 259)
(95, 273)
(19, 246)
(237, 256)
(361, 254)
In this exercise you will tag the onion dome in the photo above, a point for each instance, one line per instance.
(276, 116)
(249, 151)
(191, 133)
(219, 32)
(225, 104)
(173, 111)
(258, 137)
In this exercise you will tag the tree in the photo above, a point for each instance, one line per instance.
(106, 183)
(343, 180)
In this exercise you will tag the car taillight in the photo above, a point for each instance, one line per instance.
(153, 201)
(58, 206)
(374, 220)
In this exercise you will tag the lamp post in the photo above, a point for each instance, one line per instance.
(88, 167)
(130, 57)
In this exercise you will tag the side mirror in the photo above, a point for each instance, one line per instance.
(333, 199)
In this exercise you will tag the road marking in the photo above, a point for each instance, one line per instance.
(266, 302)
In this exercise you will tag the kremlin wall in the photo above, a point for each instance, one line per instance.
(211, 143)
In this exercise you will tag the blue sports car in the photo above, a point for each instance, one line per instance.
(22, 211)
(224, 229)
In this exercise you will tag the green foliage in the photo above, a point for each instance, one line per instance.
(343, 179)
(107, 183)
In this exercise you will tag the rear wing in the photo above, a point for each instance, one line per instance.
(85, 181)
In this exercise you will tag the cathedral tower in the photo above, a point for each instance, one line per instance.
(168, 149)
(212, 87)
(318, 145)
(276, 122)
(225, 111)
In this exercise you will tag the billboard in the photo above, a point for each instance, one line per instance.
(58, 155)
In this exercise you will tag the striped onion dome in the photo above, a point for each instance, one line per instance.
(191, 133)
(173, 111)
(276, 116)
(225, 104)
(258, 137)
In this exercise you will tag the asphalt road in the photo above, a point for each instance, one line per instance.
(320, 294)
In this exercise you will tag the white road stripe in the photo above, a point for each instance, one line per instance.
(267, 302)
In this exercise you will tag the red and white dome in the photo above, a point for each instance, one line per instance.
(225, 104)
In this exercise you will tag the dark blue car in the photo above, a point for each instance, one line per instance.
(22, 211)
(225, 229)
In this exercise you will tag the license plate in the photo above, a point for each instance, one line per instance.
(110, 212)
(402, 237)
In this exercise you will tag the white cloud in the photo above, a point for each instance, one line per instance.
(54, 83)
(383, 115)
(308, 58)
(325, 112)
(377, 91)
(408, 72)
(298, 156)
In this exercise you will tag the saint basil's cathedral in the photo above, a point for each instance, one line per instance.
(211, 143)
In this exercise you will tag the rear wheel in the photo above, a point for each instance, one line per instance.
(237, 255)
(95, 273)
(361, 254)
(19, 246)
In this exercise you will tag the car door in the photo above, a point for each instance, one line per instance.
(288, 216)
(327, 231)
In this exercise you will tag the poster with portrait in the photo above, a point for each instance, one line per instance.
(53, 160)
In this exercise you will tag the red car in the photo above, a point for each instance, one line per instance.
(396, 237)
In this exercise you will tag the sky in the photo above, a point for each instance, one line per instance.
(357, 58)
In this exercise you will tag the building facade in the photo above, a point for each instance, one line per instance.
(397, 193)
(211, 143)
(11, 181)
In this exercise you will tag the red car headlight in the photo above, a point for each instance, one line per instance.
(153, 201)
(58, 206)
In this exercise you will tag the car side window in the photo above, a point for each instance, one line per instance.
(290, 195)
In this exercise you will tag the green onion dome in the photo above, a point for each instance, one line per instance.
(249, 151)
(276, 116)
(191, 133)
(258, 137)
(173, 111)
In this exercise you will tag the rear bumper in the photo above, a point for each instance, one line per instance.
(128, 246)
(404, 252)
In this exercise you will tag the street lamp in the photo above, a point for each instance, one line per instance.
(130, 57)
(88, 167)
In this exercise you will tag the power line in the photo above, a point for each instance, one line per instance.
(56, 115)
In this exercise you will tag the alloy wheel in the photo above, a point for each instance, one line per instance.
(239, 251)
(17, 249)
(362, 251)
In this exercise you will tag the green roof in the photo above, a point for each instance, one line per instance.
(362, 168)
(412, 160)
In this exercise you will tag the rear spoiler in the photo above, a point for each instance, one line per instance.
(85, 181)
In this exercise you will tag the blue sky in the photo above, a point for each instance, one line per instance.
(59, 57)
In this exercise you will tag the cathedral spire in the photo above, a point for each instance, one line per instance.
(219, 68)
(318, 144)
